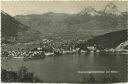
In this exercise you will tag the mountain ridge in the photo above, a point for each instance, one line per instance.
(72, 24)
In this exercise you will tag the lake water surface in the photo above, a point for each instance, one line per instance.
(67, 68)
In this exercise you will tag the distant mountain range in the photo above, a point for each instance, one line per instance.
(88, 23)
(13, 31)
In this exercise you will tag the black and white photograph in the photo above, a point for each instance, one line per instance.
(64, 41)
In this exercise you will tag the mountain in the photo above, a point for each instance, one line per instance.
(47, 23)
(72, 25)
(109, 40)
(88, 23)
(12, 30)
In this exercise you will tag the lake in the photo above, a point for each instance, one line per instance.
(72, 67)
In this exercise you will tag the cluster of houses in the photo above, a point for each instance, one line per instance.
(46, 48)
(52, 48)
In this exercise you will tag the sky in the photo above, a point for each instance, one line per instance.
(39, 7)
